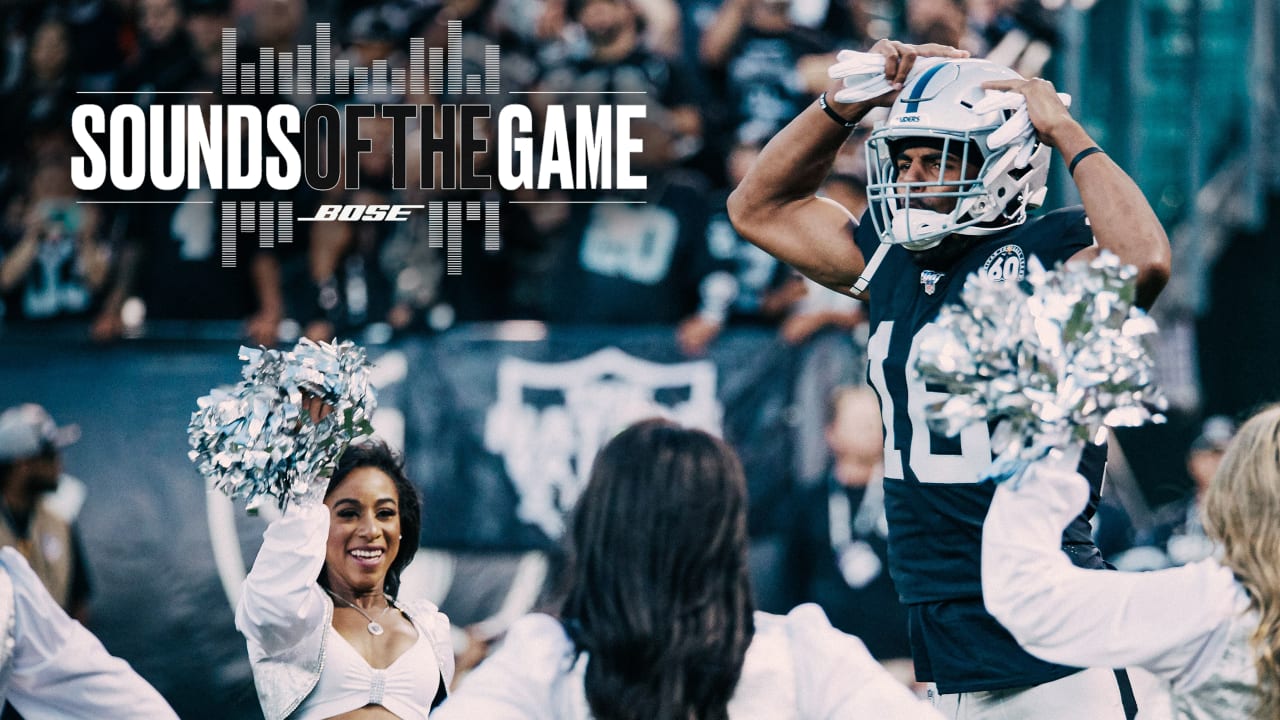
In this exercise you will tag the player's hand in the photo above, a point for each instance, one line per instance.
(1045, 108)
(900, 58)
(877, 76)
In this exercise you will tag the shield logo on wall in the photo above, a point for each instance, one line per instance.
(550, 419)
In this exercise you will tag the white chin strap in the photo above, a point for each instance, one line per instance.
(917, 229)
(860, 286)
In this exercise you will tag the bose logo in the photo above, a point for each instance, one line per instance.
(357, 213)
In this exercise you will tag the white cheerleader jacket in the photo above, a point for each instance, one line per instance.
(285, 615)
(1189, 625)
(797, 667)
(51, 667)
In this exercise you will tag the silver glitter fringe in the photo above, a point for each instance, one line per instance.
(254, 440)
(1052, 358)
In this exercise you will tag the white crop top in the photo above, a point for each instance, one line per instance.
(406, 687)
(286, 619)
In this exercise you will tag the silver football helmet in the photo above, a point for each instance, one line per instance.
(937, 106)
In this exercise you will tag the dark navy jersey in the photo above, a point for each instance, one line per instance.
(933, 499)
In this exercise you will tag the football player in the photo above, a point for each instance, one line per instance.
(951, 178)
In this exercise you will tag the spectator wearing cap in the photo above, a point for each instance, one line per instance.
(30, 472)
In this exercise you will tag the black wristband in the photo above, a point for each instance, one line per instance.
(1071, 169)
(822, 101)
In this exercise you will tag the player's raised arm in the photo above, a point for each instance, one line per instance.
(775, 206)
(1122, 219)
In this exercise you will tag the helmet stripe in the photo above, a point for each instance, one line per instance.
(917, 91)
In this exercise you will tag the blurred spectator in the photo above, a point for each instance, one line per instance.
(515, 26)
(818, 308)
(102, 34)
(641, 257)
(617, 62)
(166, 61)
(347, 288)
(53, 260)
(838, 552)
(844, 20)
(659, 23)
(1177, 536)
(492, 286)
(766, 288)
(945, 22)
(642, 262)
(768, 292)
(506, 23)
(375, 34)
(172, 260)
(46, 93)
(832, 328)
(756, 48)
(205, 21)
(477, 17)
(1018, 33)
(278, 24)
(486, 285)
(36, 98)
(1183, 535)
(30, 471)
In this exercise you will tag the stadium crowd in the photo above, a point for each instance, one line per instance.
(719, 79)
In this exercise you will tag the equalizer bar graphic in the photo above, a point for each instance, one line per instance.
(312, 71)
(292, 73)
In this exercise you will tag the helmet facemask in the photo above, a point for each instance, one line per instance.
(990, 190)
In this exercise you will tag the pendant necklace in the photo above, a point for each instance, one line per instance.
(374, 627)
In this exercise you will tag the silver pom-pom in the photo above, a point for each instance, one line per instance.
(1052, 358)
(255, 440)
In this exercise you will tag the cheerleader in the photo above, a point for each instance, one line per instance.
(1211, 628)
